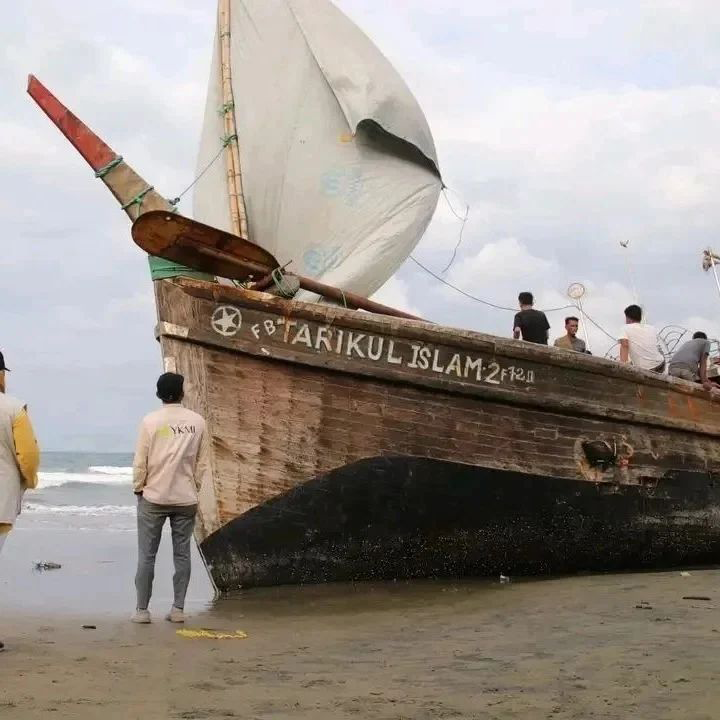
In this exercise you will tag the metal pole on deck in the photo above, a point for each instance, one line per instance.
(709, 259)
(575, 292)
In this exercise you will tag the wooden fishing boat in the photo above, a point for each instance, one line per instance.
(356, 445)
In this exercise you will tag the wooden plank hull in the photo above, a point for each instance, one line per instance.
(351, 446)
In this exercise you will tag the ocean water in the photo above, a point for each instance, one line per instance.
(83, 491)
(82, 517)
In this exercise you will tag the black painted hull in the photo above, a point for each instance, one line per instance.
(400, 517)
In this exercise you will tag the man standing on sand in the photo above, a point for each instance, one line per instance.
(171, 462)
(531, 324)
(639, 342)
(19, 457)
(570, 340)
(690, 360)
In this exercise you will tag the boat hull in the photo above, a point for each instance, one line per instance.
(399, 517)
(348, 445)
(434, 452)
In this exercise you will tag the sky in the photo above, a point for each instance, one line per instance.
(566, 126)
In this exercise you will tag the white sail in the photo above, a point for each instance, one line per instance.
(339, 169)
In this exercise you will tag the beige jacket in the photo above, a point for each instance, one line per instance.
(19, 457)
(172, 457)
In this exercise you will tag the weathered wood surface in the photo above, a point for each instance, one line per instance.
(190, 361)
(184, 241)
(440, 358)
(281, 412)
(429, 332)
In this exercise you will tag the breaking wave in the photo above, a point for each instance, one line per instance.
(57, 479)
(110, 470)
(79, 509)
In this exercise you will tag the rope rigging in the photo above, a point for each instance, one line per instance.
(463, 219)
(225, 142)
(504, 307)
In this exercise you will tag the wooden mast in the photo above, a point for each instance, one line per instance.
(234, 175)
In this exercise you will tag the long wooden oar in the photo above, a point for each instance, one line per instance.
(214, 251)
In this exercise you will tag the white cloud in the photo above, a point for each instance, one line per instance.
(685, 187)
(394, 293)
(499, 262)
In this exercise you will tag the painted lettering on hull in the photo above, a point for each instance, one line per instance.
(376, 349)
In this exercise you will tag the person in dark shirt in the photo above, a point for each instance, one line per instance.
(530, 324)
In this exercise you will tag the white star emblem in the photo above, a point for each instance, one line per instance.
(226, 320)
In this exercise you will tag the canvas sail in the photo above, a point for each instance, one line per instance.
(339, 170)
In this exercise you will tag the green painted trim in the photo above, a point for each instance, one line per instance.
(161, 269)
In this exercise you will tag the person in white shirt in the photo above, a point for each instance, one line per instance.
(171, 463)
(639, 342)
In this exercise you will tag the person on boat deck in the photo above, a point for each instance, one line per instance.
(690, 360)
(570, 340)
(639, 342)
(530, 324)
(19, 457)
(713, 371)
(171, 463)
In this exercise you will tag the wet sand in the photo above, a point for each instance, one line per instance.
(562, 648)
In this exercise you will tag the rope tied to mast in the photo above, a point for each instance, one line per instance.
(103, 171)
(225, 141)
(226, 108)
(138, 199)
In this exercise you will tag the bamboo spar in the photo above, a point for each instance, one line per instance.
(122, 181)
(234, 174)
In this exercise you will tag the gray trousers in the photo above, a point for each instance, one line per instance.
(150, 520)
(684, 373)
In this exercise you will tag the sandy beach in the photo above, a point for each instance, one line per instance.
(607, 647)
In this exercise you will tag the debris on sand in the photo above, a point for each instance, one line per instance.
(41, 566)
(211, 634)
